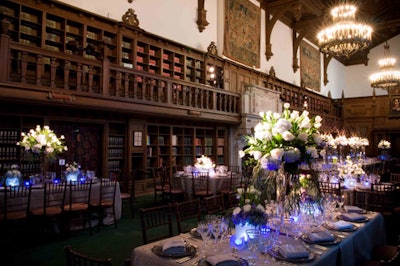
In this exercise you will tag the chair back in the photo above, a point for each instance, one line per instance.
(382, 198)
(79, 192)
(395, 177)
(188, 213)
(330, 188)
(156, 223)
(214, 204)
(201, 184)
(16, 202)
(127, 188)
(54, 195)
(108, 189)
(75, 258)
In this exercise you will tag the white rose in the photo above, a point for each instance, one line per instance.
(257, 155)
(302, 136)
(247, 208)
(286, 105)
(260, 207)
(317, 138)
(294, 115)
(277, 153)
(241, 154)
(287, 136)
(236, 211)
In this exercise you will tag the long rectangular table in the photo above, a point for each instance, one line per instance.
(353, 249)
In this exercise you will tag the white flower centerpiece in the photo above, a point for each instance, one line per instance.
(249, 213)
(205, 164)
(283, 142)
(44, 143)
(72, 171)
(12, 177)
(384, 146)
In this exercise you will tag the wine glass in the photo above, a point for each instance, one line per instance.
(253, 241)
(216, 229)
(203, 228)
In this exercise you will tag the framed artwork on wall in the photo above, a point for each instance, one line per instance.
(394, 105)
(242, 32)
(310, 67)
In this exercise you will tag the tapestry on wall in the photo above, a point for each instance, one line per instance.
(242, 32)
(310, 67)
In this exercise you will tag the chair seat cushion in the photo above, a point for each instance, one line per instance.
(76, 207)
(176, 191)
(125, 196)
(16, 215)
(202, 193)
(50, 211)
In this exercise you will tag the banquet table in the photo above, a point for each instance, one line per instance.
(216, 182)
(353, 248)
(37, 199)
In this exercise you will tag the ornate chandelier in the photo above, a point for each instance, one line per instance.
(387, 77)
(345, 36)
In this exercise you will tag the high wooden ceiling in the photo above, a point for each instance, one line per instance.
(308, 16)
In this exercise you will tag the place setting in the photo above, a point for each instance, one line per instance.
(321, 237)
(295, 253)
(174, 248)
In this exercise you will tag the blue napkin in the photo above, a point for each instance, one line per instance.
(356, 209)
(341, 225)
(223, 260)
(174, 247)
(321, 236)
(293, 251)
(353, 217)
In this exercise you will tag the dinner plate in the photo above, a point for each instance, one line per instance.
(321, 243)
(190, 251)
(193, 232)
(241, 262)
(354, 228)
(366, 219)
(275, 253)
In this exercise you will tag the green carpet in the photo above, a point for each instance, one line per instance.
(115, 243)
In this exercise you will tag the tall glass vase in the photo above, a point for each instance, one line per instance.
(42, 166)
(281, 188)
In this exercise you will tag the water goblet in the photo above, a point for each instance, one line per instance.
(203, 228)
(216, 230)
(253, 242)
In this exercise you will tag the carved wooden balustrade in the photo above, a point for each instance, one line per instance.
(67, 77)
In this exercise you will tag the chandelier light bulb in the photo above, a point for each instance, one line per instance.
(345, 36)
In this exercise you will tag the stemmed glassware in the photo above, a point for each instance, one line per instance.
(216, 229)
(203, 228)
(253, 242)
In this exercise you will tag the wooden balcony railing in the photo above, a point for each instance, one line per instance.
(70, 76)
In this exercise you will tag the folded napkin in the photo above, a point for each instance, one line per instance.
(174, 247)
(321, 236)
(293, 251)
(353, 217)
(356, 209)
(340, 225)
(223, 259)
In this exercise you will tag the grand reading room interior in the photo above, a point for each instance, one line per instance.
(199, 132)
